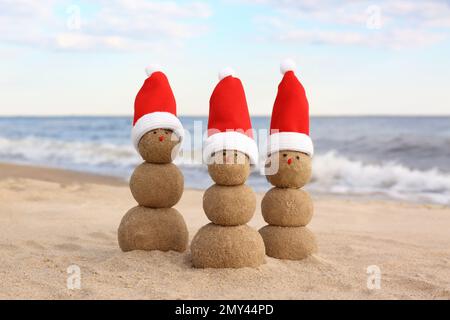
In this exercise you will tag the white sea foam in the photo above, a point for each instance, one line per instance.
(333, 173)
(339, 175)
(68, 154)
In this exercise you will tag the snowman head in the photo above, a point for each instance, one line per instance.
(229, 167)
(159, 146)
(288, 169)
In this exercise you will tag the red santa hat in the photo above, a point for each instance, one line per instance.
(229, 124)
(155, 107)
(289, 127)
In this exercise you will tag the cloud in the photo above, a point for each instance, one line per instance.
(115, 24)
(394, 24)
(396, 39)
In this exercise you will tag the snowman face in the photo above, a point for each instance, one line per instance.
(229, 157)
(158, 146)
(294, 169)
(229, 167)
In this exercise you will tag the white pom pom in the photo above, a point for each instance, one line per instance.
(152, 69)
(287, 65)
(226, 72)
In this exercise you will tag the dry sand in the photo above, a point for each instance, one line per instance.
(51, 219)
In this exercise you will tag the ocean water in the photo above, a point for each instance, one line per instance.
(405, 158)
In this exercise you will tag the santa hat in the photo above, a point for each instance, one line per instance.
(155, 107)
(229, 124)
(289, 126)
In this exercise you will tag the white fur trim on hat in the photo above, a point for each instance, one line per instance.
(290, 141)
(151, 69)
(231, 140)
(226, 72)
(287, 65)
(156, 120)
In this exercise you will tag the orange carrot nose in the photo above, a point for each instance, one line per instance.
(161, 138)
(289, 161)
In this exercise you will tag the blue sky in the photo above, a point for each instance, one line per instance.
(353, 57)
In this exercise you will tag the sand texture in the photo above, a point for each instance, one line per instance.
(50, 220)
(153, 229)
(229, 205)
(157, 185)
(291, 243)
(287, 207)
(217, 246)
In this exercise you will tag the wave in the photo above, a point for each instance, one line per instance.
(108, 158)
(333, 173)
(339, 175)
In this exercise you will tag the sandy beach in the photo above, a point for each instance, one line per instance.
(52, 219)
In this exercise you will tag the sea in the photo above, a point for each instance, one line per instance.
(398, 158)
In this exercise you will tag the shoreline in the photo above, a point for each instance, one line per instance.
(50, 174)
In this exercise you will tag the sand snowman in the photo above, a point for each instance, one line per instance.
(229, 151)
(157, 184)
(286, 207)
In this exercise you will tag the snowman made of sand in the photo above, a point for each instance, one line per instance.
(286, 207)
(229, 151)
(157, 184)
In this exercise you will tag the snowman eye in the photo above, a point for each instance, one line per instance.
(285, 155)
(154, 132)
(298, 158)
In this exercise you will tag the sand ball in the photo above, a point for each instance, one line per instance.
(157, 185)
(229, 168)
(159, 146)
(294, 169)
(227, 247)
(229, 205)
(153, 229)
(287, 207)
(291, 243)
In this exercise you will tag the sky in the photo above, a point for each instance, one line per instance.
(379, 57)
